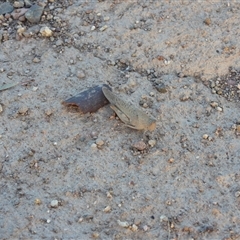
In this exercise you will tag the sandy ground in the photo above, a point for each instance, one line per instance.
(172, 55)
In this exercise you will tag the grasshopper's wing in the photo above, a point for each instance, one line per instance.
(111, 97)
(119, 106)
(123, 117)
(120, 114)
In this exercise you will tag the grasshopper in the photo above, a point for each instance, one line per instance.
(133, 117)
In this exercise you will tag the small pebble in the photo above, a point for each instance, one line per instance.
(94, 135)
(214, 104)
(109, 195)
(80, 74)
(38, 201)
(152, 143)
(145, 228)
(107, 209)
(123, 224)
(59, 42)
(205, 136)
(55, 143)
(35, 89)
(1, 108)
(171, 160)
(23, 110)
(161, 88)
(48, 220)
(184, 97)
(31, 31)
(94, 145)
(166, 62)
(49, 112)
(140, 145)
(36, 60)
(18, 4)
(21, 30)
(17, 13)
(46, 32)
(95, 235)
(219, 109)
(207, 21)
(93, 28)
(54, 203)
(145, 105)
(237, 128)
(210, 138)
(103, 28)
(99, 142)
(132, 83)
(213, 91)
(163, 218)
(151, 94)
(106, 18)
(134, 228)
(237, 194)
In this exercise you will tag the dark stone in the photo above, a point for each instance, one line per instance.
(34, 13)
(6, 8)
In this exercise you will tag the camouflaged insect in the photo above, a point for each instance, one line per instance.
(132, 116)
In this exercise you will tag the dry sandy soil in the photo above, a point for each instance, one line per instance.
(180, 58)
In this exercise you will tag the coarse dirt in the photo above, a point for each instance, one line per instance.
(180, 61)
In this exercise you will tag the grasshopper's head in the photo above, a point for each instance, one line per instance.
(152, 124)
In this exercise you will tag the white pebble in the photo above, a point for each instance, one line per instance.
(152, 143)
(237, 194)
(93, 28)
(123, 224)
(48, 220)
(46, 32)
(145, 228)
(134, 228)
(35, 89)
(106, 18)
(94, 145)
(54, 203)
(109, 195)
(219, 109)
(166, 62)
(55, 143)
(205, 136)
(103, 28)
(107, 209)
(1, 108)
(163, 218)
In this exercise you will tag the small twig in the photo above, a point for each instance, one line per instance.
(169, 231)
